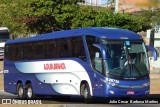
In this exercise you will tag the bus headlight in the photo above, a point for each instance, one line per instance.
(146, 84)
(147, 92)
(111, 84)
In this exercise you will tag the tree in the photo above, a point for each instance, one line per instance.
(50, 15)
(155, 17)
(85, 17)
(127, 21)
(93, 17)
(11, 13)
(65, 11)
(148, 19)
(105, 18)
(42, 16)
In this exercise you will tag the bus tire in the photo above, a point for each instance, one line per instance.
(29, 91)
(85, 92)
(20, 91)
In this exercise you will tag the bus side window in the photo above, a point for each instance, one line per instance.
(96, 59)
(64, 52)
(27, 51)
(90, 41)
(50, 49)
(38, 48)
(78, 48)
(18, 52)
(8, 52)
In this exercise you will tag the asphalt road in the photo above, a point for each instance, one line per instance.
(6, 95)
(79, 102)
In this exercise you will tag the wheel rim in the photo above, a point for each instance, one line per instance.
(86, 92)
(20, 92)
(29, 93)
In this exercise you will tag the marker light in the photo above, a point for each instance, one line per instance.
(111, 91)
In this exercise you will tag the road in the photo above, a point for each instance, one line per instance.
(78, 102)
(6, 95)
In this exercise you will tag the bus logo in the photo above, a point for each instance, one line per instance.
(54, 66)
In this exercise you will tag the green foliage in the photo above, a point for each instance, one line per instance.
(65, 11)
(67, 14)
(40, 7)
(42, 16)
(105, 18)
(127, 21)
(85, 17)
(40, 24)
(146, 19)
(90, 17)
(156, 17)
(50, 15)
(11, 13)
(149, 18)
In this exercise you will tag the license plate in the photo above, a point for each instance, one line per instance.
(130, 92)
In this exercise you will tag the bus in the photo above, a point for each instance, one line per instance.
(88, 62)
(4, 36)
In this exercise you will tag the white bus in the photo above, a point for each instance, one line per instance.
(4, 36)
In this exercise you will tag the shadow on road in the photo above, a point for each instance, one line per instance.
(152, 99)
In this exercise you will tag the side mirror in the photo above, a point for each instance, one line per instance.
(152, 52)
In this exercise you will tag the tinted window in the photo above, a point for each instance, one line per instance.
(90, 41)
(96, 59)
(78, 48)
(57, 48)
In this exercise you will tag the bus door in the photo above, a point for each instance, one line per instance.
(97, 65)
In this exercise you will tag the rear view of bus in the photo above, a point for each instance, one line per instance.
(4, 35)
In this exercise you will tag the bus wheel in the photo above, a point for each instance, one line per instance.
(20, 91)
(29, 91)
(85, 92)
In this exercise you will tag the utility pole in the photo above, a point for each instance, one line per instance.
(116, 2)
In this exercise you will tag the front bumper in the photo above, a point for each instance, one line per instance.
(128, 92)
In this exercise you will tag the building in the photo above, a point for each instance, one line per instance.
(101, 3)
(131, 6)
(125, 5)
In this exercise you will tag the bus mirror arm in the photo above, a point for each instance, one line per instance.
(153, 51)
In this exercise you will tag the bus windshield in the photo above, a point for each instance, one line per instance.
(126, 59)
(4, 37)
